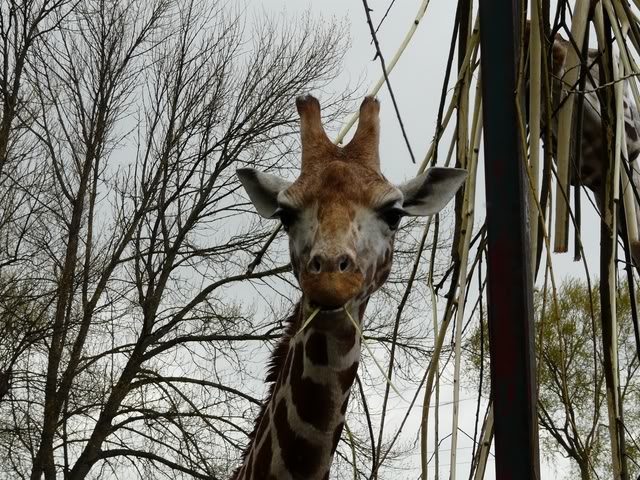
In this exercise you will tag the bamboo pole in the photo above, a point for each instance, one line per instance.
(468, 210)
(436, 366)
(630, 205)
(535, 102)
(565, 144)
(485, 445)
(607, 255)
(629, 67)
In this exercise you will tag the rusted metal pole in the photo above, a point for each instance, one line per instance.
(509, 272)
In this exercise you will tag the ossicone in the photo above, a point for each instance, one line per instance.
(316, 146)
(364, 145)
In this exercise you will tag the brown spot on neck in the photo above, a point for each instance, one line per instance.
(316, 348)
(347, 377)
(301, 457)
(313, 401)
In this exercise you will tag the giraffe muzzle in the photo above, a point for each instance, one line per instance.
(331, 290)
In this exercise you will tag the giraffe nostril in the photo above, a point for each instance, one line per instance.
(337, 264)
(345, 263)
(315, 264)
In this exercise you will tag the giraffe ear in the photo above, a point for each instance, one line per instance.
(429, 192)
(263, 189)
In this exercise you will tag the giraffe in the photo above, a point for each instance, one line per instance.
(340, 215)
(593, 145)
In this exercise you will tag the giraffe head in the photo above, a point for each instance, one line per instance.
(341, 214)
(559, 49)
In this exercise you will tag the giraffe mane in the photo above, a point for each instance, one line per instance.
(275, 366)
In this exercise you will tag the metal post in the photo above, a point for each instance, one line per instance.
(509, 272)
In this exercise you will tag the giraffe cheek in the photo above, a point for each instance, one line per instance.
(294, 261)
(381, 276)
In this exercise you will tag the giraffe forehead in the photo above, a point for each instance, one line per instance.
(341, 184)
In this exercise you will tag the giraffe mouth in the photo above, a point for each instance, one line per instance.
(331, 291)
(326, 308)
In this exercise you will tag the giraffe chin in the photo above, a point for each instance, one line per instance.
(330, 320)
(325, 314)
(326, 310)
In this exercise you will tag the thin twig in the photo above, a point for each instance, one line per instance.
(367, 11)
(369, 424)
(258, 258)
(384, 17)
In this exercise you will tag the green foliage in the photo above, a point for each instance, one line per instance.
(572, 408)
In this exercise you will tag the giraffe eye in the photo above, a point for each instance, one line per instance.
(392, 217)
(287, 216)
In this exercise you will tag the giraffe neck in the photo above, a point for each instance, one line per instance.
(301, 422)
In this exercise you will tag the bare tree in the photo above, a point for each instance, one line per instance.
(123, 235)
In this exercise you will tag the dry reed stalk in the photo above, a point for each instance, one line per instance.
(468, 210)
(535, 102)
(608, 280)
(565, 128)
(485, 445)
